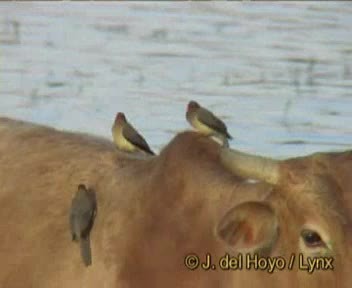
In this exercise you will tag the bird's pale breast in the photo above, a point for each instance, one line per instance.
(202, 127)
(121, 142)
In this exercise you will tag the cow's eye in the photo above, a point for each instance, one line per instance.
(312, 238)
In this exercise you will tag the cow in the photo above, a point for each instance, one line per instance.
(188, 217)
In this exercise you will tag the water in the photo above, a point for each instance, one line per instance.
(279, 74)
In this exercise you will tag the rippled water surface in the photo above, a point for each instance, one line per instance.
(279, 75)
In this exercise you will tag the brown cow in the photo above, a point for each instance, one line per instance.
(154, 211)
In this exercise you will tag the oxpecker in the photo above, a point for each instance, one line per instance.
(206, 122)
(126, 137)
(82, 215)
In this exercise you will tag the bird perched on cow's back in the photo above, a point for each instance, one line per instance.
(82, 214)
(206, 122)
(126, 137)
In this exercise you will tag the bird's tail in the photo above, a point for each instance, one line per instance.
(85, 250)
(151, 152)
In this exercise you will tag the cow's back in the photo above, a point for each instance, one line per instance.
(40, 169)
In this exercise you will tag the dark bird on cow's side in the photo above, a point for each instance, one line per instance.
(206, 122)
(82, 215)
(127, 138)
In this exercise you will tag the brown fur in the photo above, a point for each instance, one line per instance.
(317, 189)
(152, 212)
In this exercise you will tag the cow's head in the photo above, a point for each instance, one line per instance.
(195, 188)
(307, 213)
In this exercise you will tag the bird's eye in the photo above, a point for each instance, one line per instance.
(312, 238)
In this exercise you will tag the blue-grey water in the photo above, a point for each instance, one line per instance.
(279, 74)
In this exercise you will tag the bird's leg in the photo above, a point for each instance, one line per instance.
(225, 142)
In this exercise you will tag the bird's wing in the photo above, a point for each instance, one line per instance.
(72, 227)
(93, 201)
(135, 138)
(212, 121)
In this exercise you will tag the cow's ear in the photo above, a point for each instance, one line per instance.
(250, 227)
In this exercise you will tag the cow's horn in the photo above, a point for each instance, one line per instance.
(250, 166)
